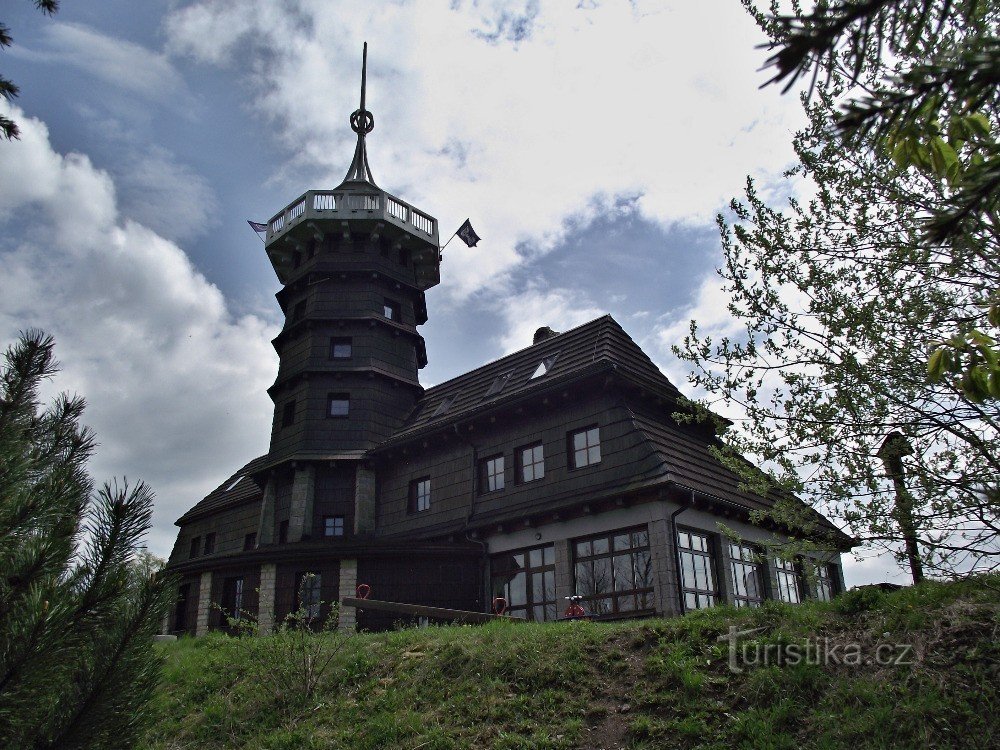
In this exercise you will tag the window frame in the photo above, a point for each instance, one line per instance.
(826, 581)
(314, 604)
(709, 558)
(395, 311)
(288, 414)
(499, 383)
(231, 604)
(643, 598)
(342, 526)
(521, 465)
(743, 556)
(208, 547)
(786, 573)
(416, 498)
(195, 549)
(572, 450)
(338, 397)
(492, 474)
(545, 569)
(341, 341)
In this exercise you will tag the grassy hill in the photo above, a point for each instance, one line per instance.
(636, 684)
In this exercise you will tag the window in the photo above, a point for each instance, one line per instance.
(338, 405)
(748, 575)
(526, 579)
(195, 546)
(498, 383)
(333, 526)
(181, 607)
(307, 594)
(390, 310)
(209, 543)
(544, 366)
(826, 585)
(250, 541)
(340, 348)
(288, 414)
(532, 461)
(789, 588)
(233, 484)
(444, 406)
(232, 599)
(614, 572)
(697, 570)
(491, 474)
(298, 311)
(585, 447)
(420, 495)
(283, 532)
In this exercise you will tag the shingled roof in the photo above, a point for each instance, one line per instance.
(237, 489)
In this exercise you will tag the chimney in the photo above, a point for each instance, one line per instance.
(543, 333)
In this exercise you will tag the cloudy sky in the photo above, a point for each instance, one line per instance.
(592, 145)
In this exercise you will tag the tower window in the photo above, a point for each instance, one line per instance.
(491, 474)
(195, 546)
(420, 495)
(339, 405)
(288, 414)
(340, 348)
(391, 310)
(333, 526)
(585, 447)
(210, 543)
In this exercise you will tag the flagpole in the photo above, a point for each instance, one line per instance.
(441, 250)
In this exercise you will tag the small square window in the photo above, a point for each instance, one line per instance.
(498, 383)
(585, 447)
(333, 526)
(390, 310)
(339, 405)
(491, 476)
(420, 495)
(195, 547)
(340, 348)
(532, 463)
(288, 414)
(209, 543)
(250, 541)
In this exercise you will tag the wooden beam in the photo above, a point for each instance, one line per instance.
(419, 610)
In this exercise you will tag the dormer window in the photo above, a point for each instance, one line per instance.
(444, 406)
(498, 383)
(233, 484)
(390, 309)
(544, 366)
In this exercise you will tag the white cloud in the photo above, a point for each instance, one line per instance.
(119, 63)
(559, 309)
(516, 114)
(176, 383)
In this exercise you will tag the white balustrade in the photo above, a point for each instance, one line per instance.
(324, 202)
(395, 208)
(277, 223)
(421, 222)
(297, 210)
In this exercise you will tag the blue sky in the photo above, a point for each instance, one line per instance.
(591, 144)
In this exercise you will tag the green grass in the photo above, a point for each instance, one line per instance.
(639, 684)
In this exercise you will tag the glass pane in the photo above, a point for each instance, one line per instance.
(700, 573)
(580, 458)
(584, 579)
(519, 559)
(687, 566)
(684, 539)
(599, 606)
(583, 549)
(550, 555)
(550, 586)
(518, 594)
(690, 601)
(622, 541)
(535, 558)
(499, 587)
(623, 572)
(603, 581)
(601, 546)
(550, 612)
(751, 582)
(640, 538)
(537, 588)
(594, 454)
(626, 603)
(643, 565)
(538, 614)
(528, 474)
(579, 441)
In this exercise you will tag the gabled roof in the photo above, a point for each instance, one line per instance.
(599, 344)
(237, 489)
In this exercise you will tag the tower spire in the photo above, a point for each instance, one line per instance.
(362, 123)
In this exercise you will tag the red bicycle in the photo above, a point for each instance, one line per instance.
(575, 610)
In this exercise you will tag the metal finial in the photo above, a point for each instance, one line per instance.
(362, 123)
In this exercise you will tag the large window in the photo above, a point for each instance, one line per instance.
(307, 593)
(585, 447)
(526, 579)
(420, 495)
(697, 570)
(232, 598)
(614, 572)
(826, 582)
(531, 462)
(789, 581)
(748, 575)
(491, 474)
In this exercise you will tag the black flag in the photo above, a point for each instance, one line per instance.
(257, 227)
(467, 234)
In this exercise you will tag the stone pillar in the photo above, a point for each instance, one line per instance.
(347, 586)
(663, 550)
(265, 599)
(564, 574)
(165, 624)
(300, 516)
(265, 527)
(724, 570)
(364, 500)
(204, 603)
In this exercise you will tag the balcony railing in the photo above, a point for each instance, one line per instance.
(328, 204)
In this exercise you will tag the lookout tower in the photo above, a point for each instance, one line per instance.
(354, 263)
